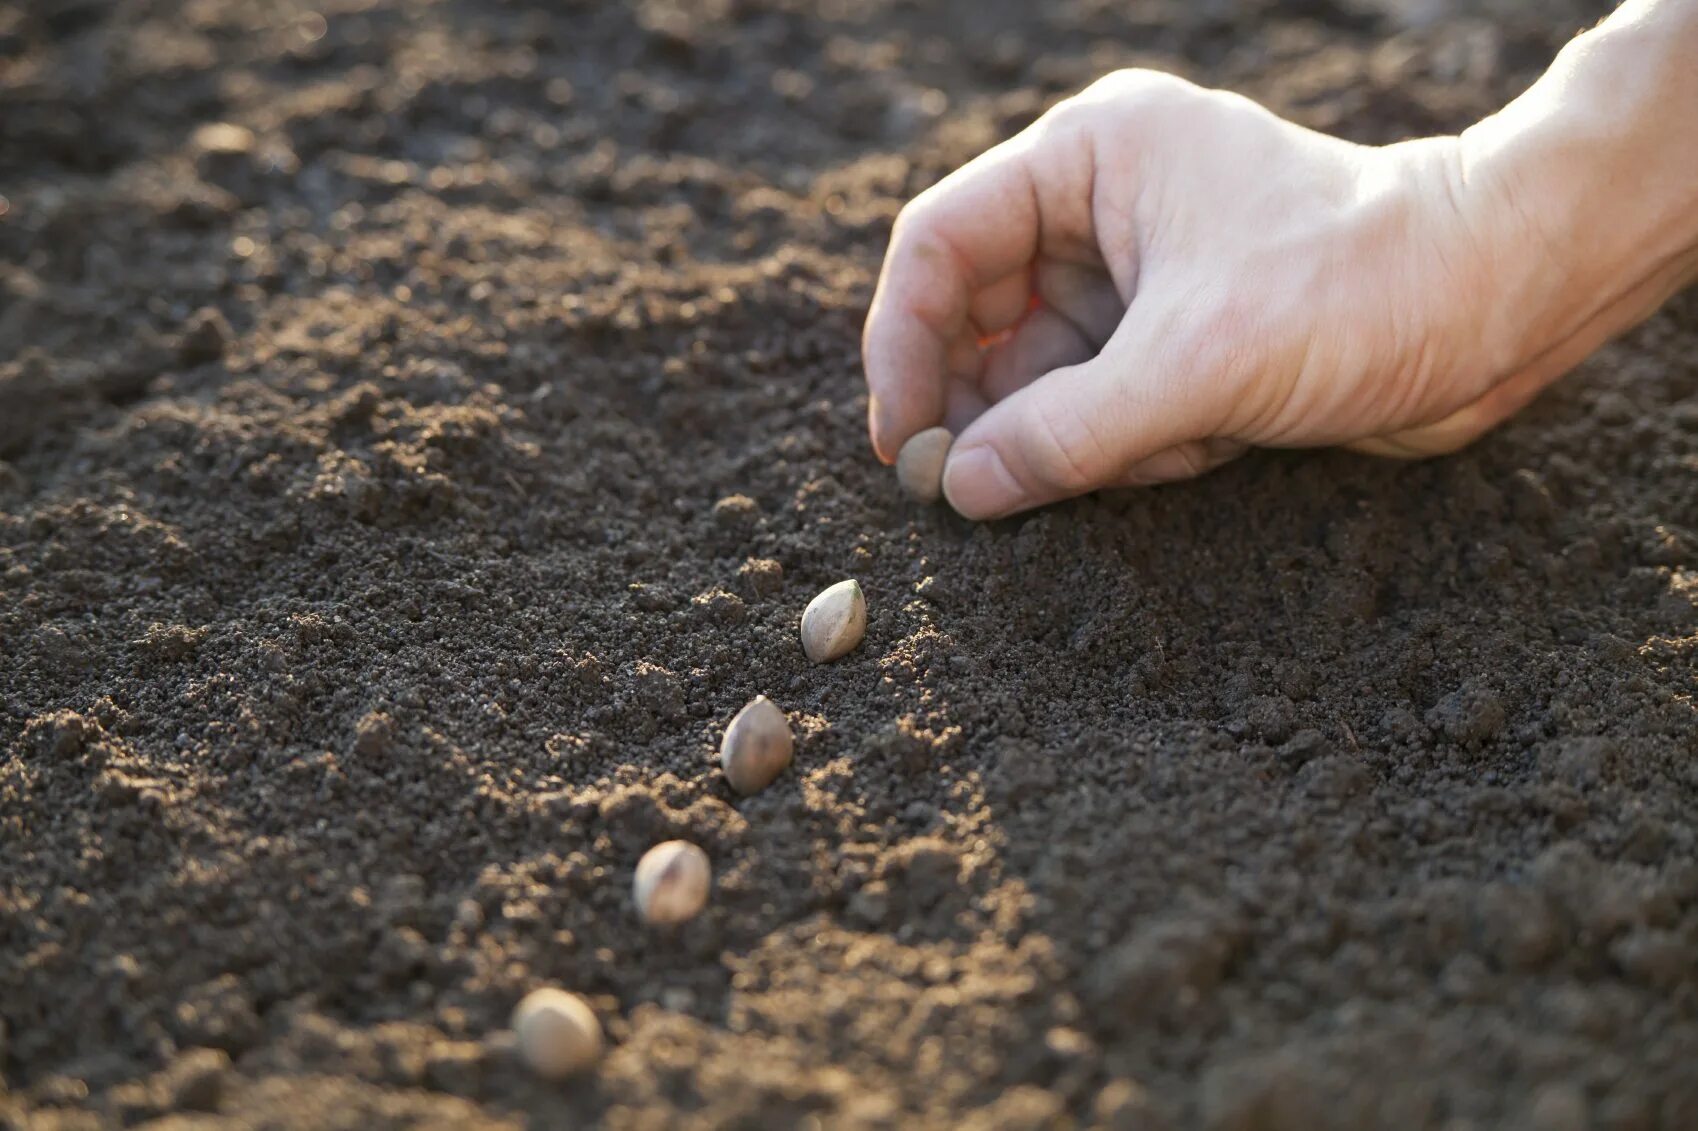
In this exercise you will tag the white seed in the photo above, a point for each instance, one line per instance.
(919, 465)
(558, 1033)
(223, 138)
(672, 882)
(834, 622)
(757, 746)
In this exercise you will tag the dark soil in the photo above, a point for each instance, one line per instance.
(396, 504)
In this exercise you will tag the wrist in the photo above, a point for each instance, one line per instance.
(1589, 182)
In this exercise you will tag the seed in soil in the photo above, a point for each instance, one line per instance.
(558, 1033)
(672, 882)
(223, 138)
(834, 622)
(757, 746)
(919, 465)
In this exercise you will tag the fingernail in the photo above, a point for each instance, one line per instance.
(977, 484)
(878, 427)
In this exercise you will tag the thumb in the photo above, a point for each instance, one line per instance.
(1080, 427)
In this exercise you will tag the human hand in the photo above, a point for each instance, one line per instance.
(1156, 276)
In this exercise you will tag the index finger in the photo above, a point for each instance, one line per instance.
(977, 225)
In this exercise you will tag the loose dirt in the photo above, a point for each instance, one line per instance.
(400, 493)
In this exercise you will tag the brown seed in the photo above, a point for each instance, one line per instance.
(672, 882)
(834, 622)
(757, 746)
(919, 465)
(558, 1032)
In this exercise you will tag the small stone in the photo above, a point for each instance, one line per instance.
(919, 465)
(834, 622)
(558, 1033)
(757, 747)
(672, 882)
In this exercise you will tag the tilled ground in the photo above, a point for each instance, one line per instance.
(401, 491)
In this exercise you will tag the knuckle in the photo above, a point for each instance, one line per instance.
(1070, 116)
(915, 216)
(1137, 84)
(918, 219)
(1132, 88)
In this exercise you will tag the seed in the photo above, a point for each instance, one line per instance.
(757, 746)
(558, 1033)
(672, 882)
(223, 138)
(834, 622)
(919, 465)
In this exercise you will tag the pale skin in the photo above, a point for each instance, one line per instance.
(1156, 277)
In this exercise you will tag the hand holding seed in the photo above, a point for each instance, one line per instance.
(1156, 276)
(919, 465)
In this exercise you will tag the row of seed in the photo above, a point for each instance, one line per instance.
(558, 1033)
